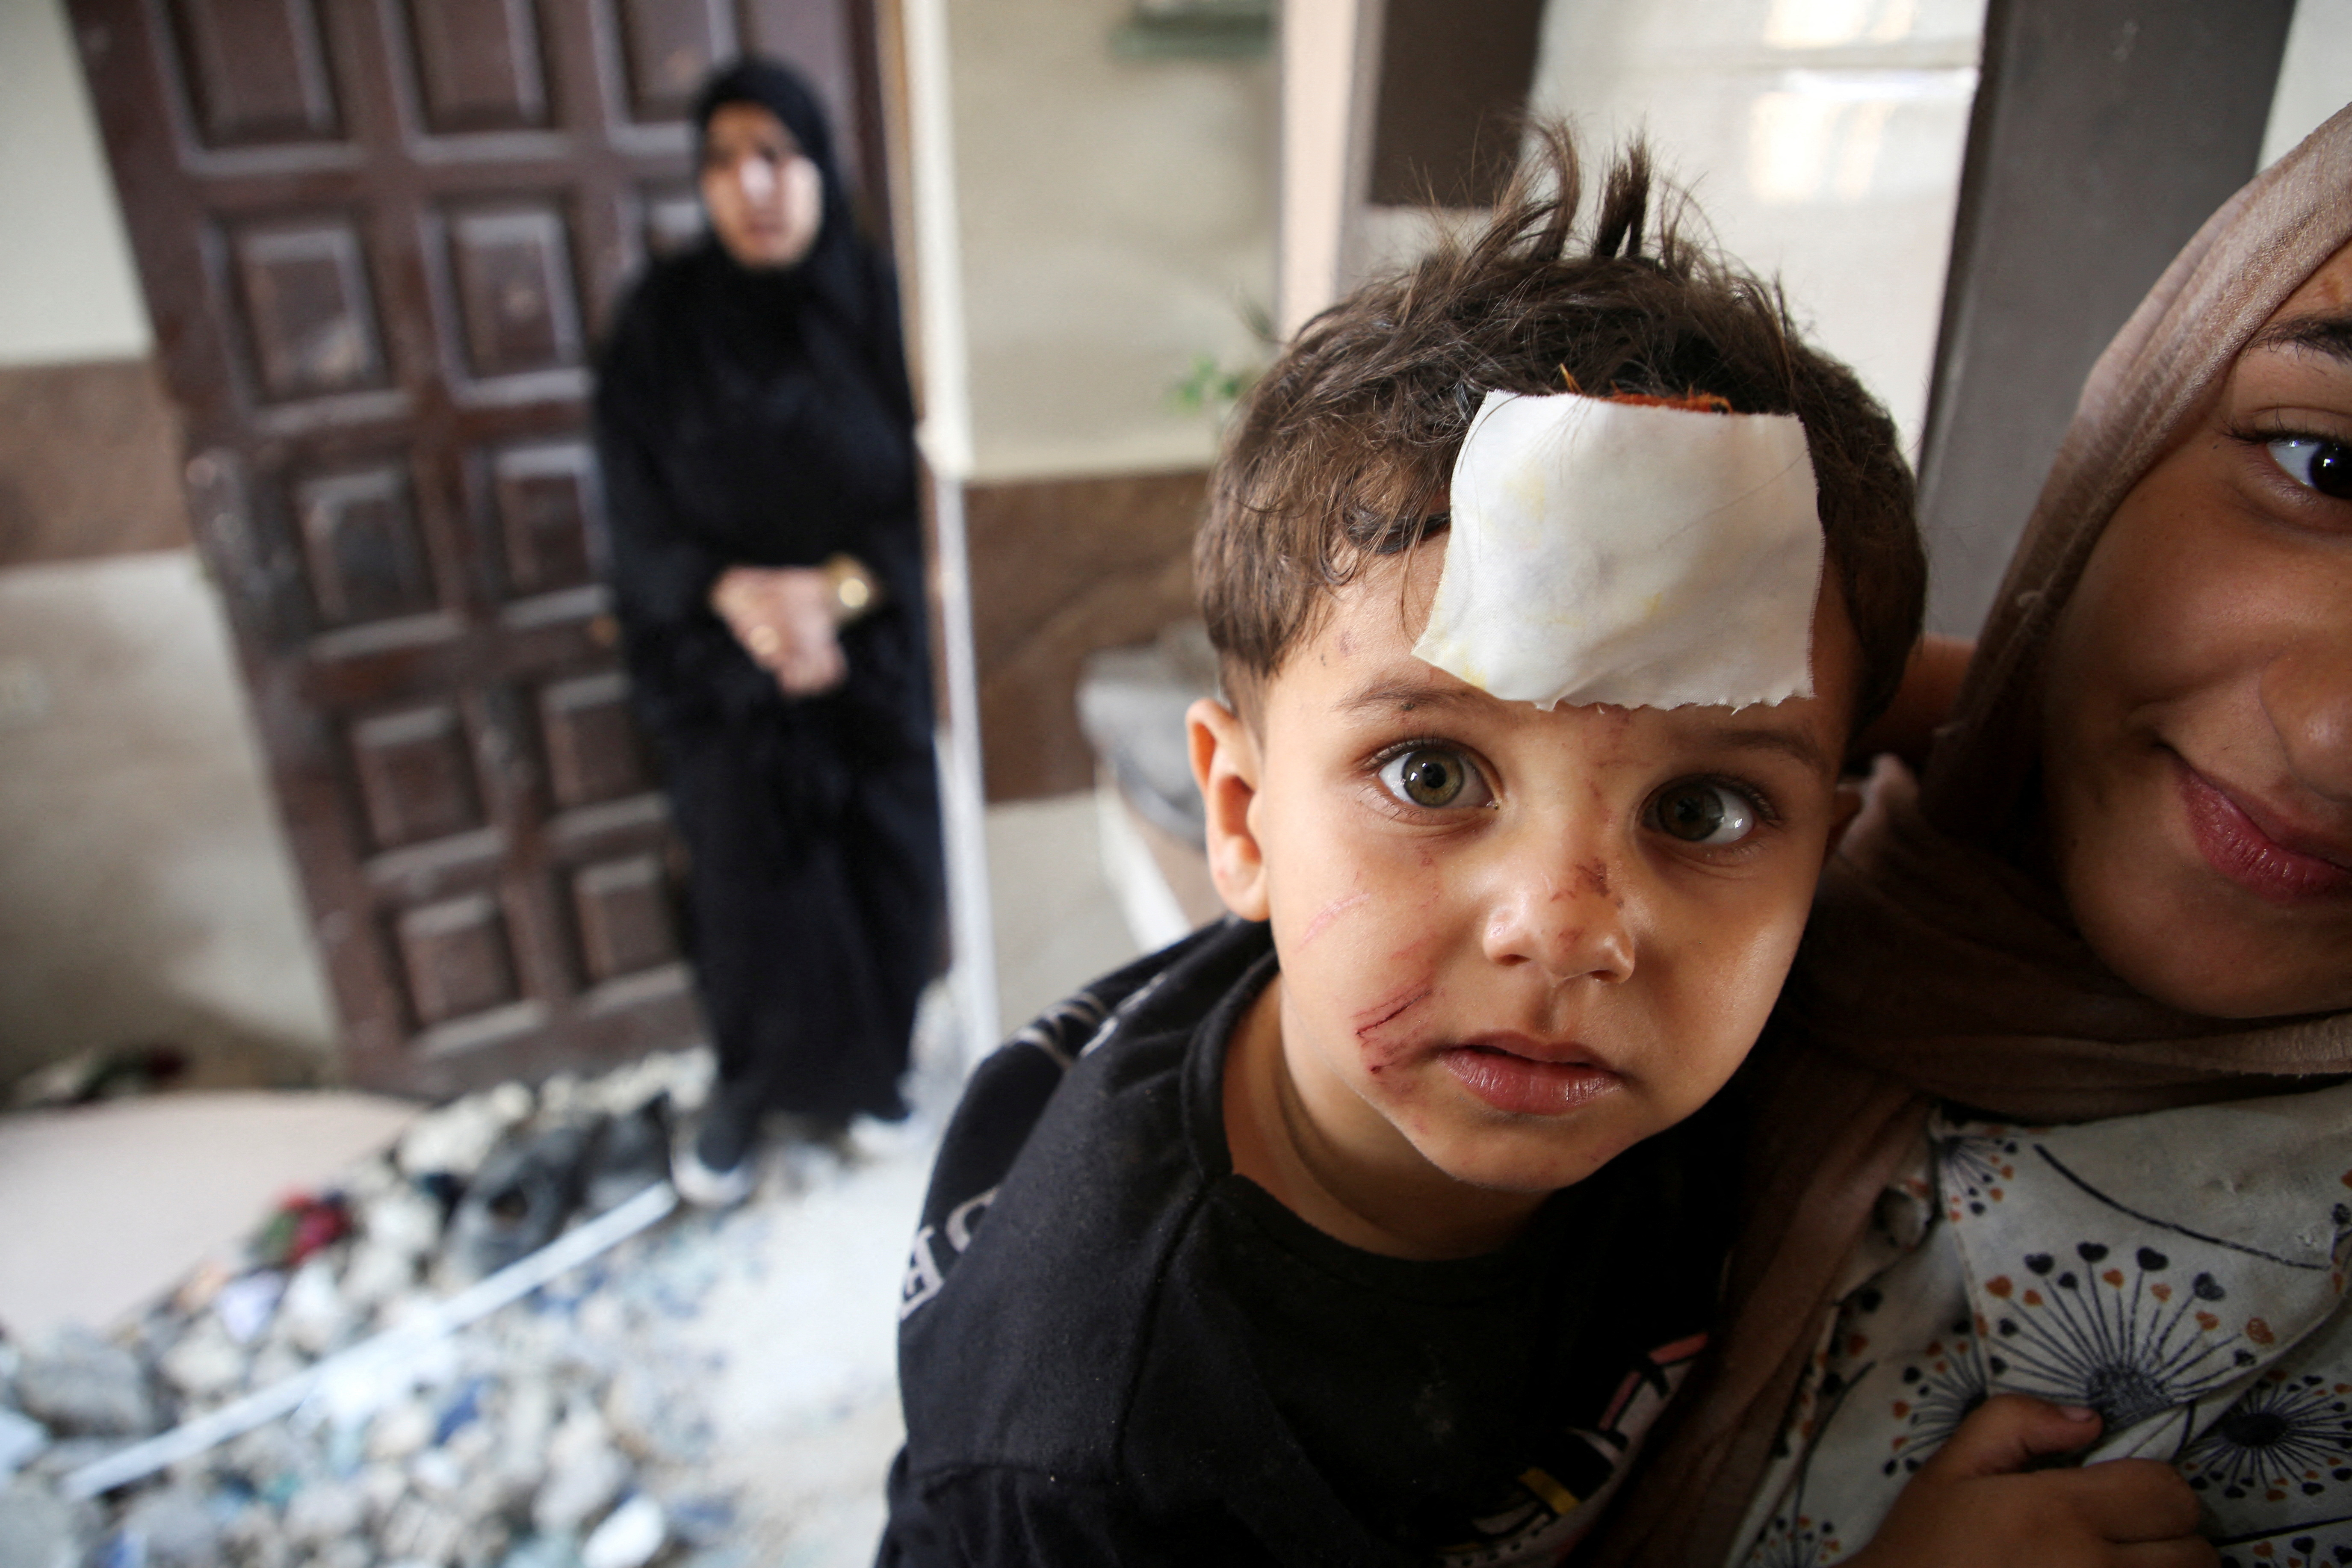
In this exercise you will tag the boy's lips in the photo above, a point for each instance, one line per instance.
(2262, 853)
(1527, 1076)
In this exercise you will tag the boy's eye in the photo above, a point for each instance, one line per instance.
(2322, 466)
(1429, 776)
(1699, 811)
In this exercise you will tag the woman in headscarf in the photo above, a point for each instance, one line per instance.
(755, 428)
(2057, 1104)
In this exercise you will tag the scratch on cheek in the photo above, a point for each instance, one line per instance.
(1329, 913)
(1380, 1014)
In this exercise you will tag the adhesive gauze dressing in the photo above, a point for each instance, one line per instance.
(1627, 554)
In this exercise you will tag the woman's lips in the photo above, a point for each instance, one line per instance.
(2236, 846)
(1526, 1085)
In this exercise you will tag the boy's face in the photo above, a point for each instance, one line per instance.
(1518, 941)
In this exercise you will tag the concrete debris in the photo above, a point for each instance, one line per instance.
(40, 1529)
(629, 1537)
(565, 1431)
(22, 1438)
(79, 1385)
(178, 1527)
(456, 1139)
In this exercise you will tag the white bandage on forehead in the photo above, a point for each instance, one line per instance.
(1627, 554)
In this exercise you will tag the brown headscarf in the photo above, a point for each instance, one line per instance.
(1934, 967)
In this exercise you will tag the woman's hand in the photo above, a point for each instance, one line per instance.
(787, 618)
(1977, 1504)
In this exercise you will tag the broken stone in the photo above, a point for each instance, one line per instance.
(81, 1385)
(21, 1440)
(629, 1537)
(38, 1529)
(346, 1553)
(177, 1528)
(312, 1316)
(326, 1513)
(404, 1220)
(544, 1551)
(376, 1274)
(206, 1364)
(421, 1530)
(653, 1416)
(436, 1473)
(269, 1458)
(528, 1424)
(585, 1473)
(253, 1539)
(457, 1136)
(563, 1099)
(400, 1431)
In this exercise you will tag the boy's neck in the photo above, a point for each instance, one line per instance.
(1337, 1165)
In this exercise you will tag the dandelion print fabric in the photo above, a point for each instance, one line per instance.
(2181, 1273)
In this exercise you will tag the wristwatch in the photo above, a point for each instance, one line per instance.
(854, 589)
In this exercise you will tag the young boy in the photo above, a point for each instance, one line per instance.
(1367, 1226)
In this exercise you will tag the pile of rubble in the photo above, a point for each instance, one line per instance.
(561, 1432)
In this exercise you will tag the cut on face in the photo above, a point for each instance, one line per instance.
(2197, 704)
(1513, 942)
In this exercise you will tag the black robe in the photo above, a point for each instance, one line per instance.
(763, 418)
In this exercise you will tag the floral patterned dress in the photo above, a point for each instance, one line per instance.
(2181, 1273)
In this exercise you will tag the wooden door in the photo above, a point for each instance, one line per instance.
(379, 238)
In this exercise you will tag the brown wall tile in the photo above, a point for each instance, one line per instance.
(1060, 568)
(89, 458)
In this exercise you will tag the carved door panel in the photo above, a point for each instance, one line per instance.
(378, 239)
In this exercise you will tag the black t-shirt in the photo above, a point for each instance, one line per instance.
(1114, 1349)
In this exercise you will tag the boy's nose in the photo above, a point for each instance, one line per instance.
(1569, 921)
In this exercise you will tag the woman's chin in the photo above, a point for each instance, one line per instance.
(2184, 936)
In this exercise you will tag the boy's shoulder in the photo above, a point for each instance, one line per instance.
(1073, 1150)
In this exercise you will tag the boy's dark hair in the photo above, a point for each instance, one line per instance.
(1344, 451)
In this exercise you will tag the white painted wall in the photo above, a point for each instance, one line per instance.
(68, 288)
(1115, 219)
(1821, 137)
(145, 893)
(2316, 77)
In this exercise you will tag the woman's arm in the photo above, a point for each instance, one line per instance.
(661, 578)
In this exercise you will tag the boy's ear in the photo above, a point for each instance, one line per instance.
(1225, 767)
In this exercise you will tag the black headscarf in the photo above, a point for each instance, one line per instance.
(758, 417)
(840, 252)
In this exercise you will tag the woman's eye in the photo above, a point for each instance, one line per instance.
(2315, 464)
(1697, 811)
(1431, 776)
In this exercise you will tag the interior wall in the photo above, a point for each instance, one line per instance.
(1115, 221)
(1823, 139)
(145, 895)
(1060, 568)
(68, 288)
(2315, 76)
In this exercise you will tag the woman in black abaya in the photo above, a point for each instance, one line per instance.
(755, 426)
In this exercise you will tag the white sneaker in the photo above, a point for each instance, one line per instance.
(700, 1186)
